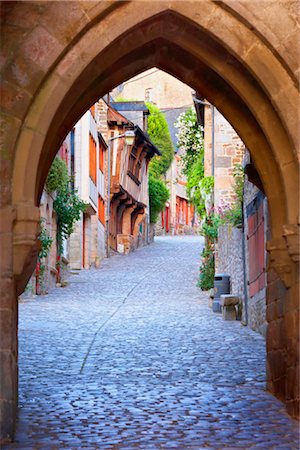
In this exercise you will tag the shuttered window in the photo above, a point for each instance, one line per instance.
(93, 159)
(256, 245)
(101, 209)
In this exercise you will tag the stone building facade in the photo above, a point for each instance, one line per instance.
(230, 257)
(223, 149)
(87, 243)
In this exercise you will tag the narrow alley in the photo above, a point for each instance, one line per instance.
(131, 356)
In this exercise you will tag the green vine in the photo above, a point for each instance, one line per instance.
(68, 207)
(45, 247)
(45, 240)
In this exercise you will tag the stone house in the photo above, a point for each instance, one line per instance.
(87, 243)
(128, 169)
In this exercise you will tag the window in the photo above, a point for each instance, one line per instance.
(93, 162)
(101, 210)
(92, 110)
(101, 158)
(148, 95)
(72, 143)
(132, 159)
(135, 164)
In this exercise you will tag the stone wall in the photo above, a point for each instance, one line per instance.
(230, 257)
(228, 151)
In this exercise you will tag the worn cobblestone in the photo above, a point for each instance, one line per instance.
(130, 356)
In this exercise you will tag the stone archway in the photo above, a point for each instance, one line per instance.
(59, 57)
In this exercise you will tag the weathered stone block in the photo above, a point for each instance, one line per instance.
(7, 419)
(229, 300)
(14, 100)
(8, 324)
(228, 303)
(41, 47)
(229, 312)
(292, 386)
(8, 375)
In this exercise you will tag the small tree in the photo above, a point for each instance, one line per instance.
(159, 134)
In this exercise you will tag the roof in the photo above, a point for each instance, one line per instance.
(145, 137)
(102, 140)
(115, 117)
(130, 106)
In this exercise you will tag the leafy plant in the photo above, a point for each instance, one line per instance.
(239, 177)
(45, 240)
(207, 269)
(158, 195)
(211, 226)
(68, 207)
(233, 216)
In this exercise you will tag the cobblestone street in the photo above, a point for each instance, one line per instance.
(131, 356)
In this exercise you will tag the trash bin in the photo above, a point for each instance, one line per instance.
(221, 286)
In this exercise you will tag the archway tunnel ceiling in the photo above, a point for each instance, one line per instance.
(191, 55)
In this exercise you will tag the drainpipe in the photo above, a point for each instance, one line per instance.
(196, 100)
(108, 197)
(245, 268)
(213, 149)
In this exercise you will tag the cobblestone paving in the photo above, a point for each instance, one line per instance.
(130, 356)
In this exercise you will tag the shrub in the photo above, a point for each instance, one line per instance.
(207, 270)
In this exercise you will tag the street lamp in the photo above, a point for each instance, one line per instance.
(129, 136)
